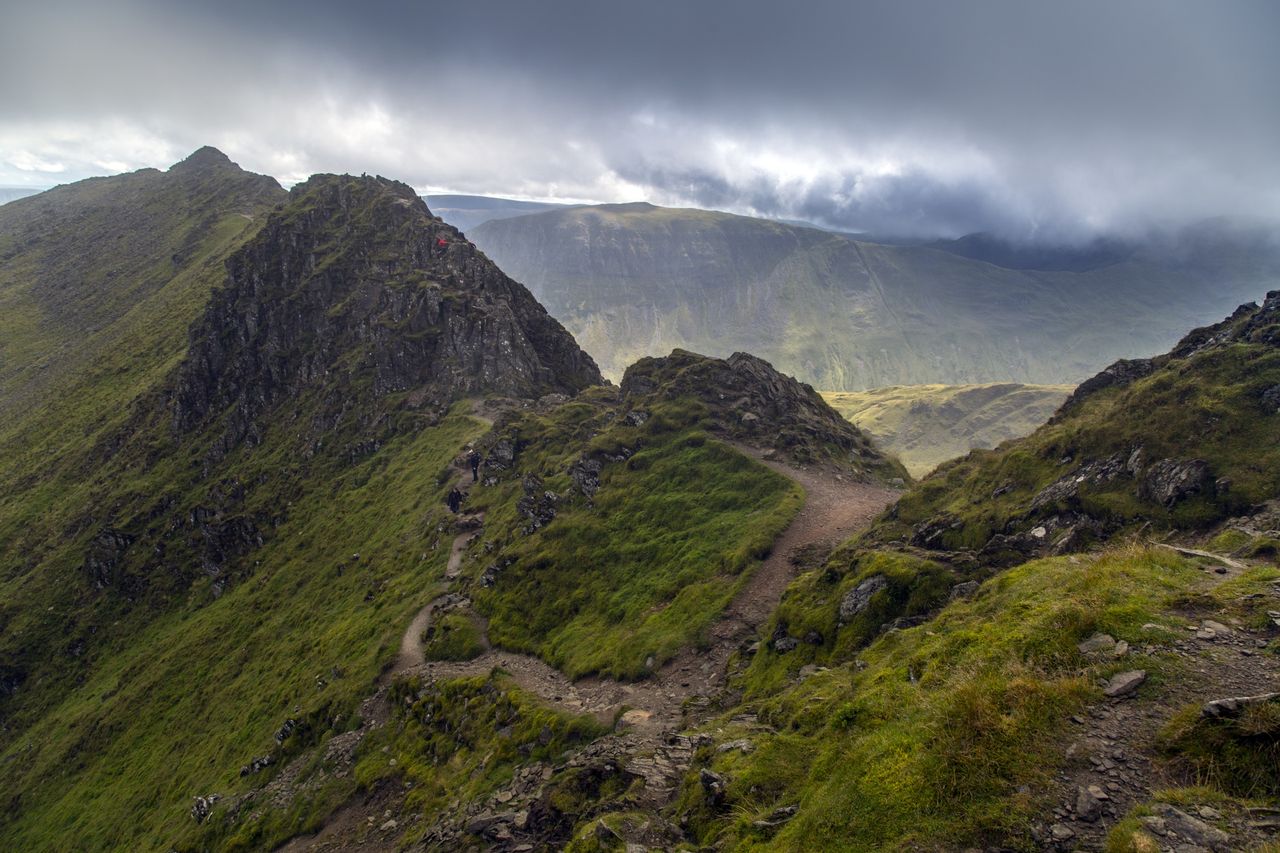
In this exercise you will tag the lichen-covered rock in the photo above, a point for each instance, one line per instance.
(857, 599)
(1171, 480)
(585, 474)
(538, 506)
(1096, 472)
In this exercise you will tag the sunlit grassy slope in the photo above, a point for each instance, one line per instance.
(927, 737)
(925, 425)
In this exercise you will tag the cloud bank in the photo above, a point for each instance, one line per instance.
(1032, 120)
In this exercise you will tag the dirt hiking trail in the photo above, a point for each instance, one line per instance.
(834, 508)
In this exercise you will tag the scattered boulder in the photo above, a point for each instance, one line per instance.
(857, 599)
(744, 746)
(1097, 643)
(1092, 473)
(282, 734)
(964, 590)
(929, 533)
(1124, 683)
(501, 456)
(259, 763)
(713, 786)
(777, 818)
(1191, 828)
(538, 506)
(585, 474)
(782, 645)
(1089, 803)
(203, 806)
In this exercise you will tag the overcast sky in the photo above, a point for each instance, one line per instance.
(1030, 118)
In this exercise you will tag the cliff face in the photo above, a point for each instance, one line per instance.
(354, 291)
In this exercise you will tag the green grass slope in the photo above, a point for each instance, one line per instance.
(657, 521)
(925, 425)
(947, 735)
(233, 523)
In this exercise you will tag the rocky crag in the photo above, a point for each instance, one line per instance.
(353, 290)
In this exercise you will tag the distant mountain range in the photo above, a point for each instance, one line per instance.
(842, 313)
(465, 212)
(8, 194)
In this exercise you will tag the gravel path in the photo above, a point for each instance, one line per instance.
(835, 507)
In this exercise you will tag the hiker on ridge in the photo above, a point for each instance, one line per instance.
(454, 500)
(473, 458)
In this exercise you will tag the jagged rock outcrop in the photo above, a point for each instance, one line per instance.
(353, 294)
(748, 400)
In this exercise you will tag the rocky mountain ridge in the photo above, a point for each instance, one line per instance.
(353, 287)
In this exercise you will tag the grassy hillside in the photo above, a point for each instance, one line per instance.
(634, 280)
(225, 512)
(222, 497)
(925, 425)
(949, 735)
(939, 702)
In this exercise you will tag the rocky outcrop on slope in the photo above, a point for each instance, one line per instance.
(354, 295)
(1181, 441)
(748, 400)
(1249, 323)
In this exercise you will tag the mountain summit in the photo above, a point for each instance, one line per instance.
(353, 292)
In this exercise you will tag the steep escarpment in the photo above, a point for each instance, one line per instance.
(355, 292)
(844, 314)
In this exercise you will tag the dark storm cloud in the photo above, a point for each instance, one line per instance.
(1028, 118)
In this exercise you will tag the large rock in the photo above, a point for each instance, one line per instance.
(747, 400)
(1094, 473)
(1191, 828)
(1124, 683)
(1232, 706)
(1171, 480)
(857, 599)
